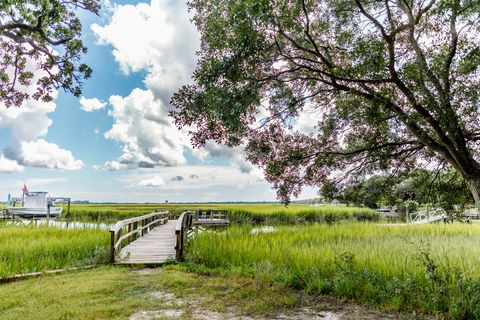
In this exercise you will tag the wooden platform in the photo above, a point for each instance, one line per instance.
(156, 247)
(211, 222)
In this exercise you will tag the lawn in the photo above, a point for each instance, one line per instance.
(165, 293)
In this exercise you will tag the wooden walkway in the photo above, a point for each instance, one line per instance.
(157, 247)
(152, 239)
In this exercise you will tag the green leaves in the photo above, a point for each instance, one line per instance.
(46, 34)
(389, 82)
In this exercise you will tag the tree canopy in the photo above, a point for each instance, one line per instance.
(445, 189)
(390, 85)
(41, 36)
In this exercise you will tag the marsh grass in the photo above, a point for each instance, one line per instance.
(431, 269)
(25, 249)
(237, 213)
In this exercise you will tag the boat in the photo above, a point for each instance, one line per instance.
(34, 204)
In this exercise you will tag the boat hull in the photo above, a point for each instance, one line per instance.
(34, 212)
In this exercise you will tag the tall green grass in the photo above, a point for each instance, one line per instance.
(25, 249)
(299, 215)
(237, 213)
(430, 269)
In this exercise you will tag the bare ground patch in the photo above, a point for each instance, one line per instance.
(227, 298)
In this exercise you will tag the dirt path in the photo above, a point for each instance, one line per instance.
(193, 303)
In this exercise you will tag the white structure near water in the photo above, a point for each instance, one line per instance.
(35, 204)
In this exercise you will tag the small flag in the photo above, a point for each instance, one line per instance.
(25, 190)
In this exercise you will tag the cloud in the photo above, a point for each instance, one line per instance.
(159, 39)
(235, 154)
(142, 126)
(207, 177)
(306, 121)
(177, 178)
(111, 166)
(156, 37)
(194, 176)
(90, 105)
(155, 181)
(43, 154)
(26, 124)
(9, 166)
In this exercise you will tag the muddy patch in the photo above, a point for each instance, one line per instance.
(302, 315)
(167, 298)
(144, 271)
(334, 311)
(154, 314)
(162, 295)
(168, 305)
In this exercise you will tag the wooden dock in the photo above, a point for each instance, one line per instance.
(157, 247)
(153, 239)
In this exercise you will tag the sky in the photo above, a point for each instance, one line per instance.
(116, 142)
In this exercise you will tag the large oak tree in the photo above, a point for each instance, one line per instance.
(41, 37)
(390, 85)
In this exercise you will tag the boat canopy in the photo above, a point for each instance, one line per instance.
(35, 199)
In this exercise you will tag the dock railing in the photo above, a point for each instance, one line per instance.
(427, 216)
(211, 215)
(182, 231)
(131, 229)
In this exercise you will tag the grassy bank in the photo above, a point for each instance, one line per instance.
(432, 269)
(119, 293)
(238, 213)
(30, 249)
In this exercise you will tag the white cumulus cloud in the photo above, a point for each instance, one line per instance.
(41, 153)
(157, 37)
(91, 104)
(142, 125)
(9, 166)
(26, 125)
(111, 166)
(155, 181)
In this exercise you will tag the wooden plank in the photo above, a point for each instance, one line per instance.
(156, 247)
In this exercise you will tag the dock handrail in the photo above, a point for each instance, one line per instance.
(134, 226)
(427, 215)
(184, 223)
(211, 214)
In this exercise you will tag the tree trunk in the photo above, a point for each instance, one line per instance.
(474, 185)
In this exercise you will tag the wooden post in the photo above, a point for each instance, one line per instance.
(68, 207)
(135, 227)
(48, 212)
(112, 246)
(177, 245)
(129, 230)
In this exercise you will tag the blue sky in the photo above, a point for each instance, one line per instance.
(116, 143)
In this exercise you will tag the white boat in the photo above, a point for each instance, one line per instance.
(35, 204)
